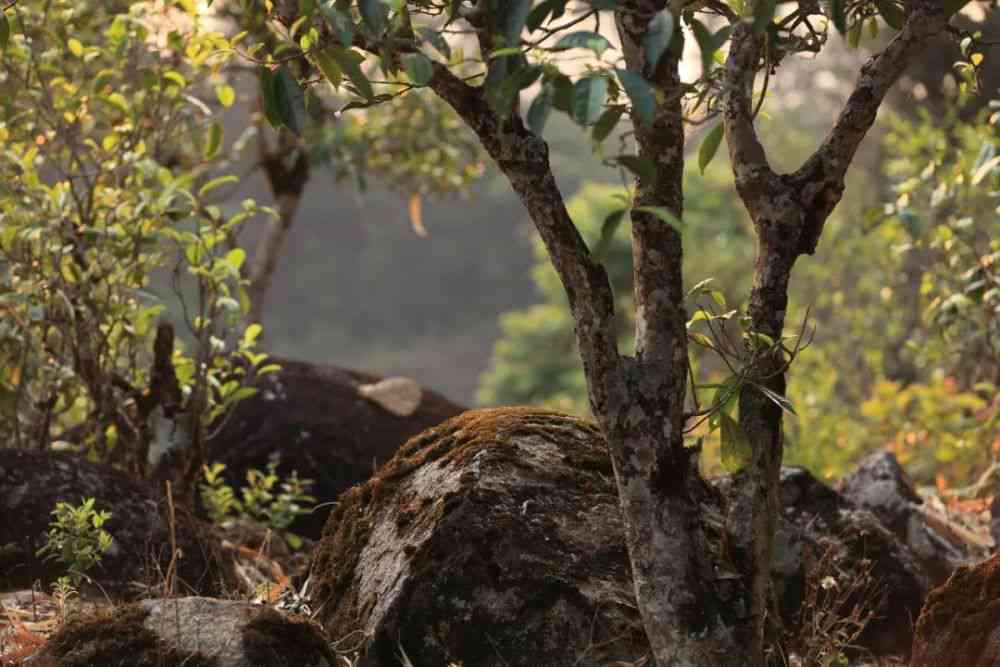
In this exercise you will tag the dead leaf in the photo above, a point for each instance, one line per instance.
(400, 396)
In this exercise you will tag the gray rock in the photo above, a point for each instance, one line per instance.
(880, 485)
(189, 631)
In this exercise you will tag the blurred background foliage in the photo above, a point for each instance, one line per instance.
(902, 295)
(903, 300)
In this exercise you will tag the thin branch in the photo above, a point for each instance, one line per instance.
(821, 177)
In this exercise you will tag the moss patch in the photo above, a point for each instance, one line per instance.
(113, 638)
(273, 639)
(959, 616)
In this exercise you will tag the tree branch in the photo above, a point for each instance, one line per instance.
(821, 177)
(751, 169)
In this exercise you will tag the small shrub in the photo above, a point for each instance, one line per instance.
(267, 499)
(77, 537)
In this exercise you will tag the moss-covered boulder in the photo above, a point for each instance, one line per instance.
(495, 538)
(330, 424)
(188, 632)
(33, 482)
(959, 625)
(492, 539)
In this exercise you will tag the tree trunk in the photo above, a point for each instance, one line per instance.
(760, 416)
(639, 401)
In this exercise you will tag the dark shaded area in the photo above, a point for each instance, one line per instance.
(33, 482)
(313, 419)
(280, 640)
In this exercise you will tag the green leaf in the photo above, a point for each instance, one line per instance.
(562, 97)
(736, 449)
(779, 400)
(658, 36)
(435, 39)
(710, 146)
(724, 400)
(663, 214)
(588, 99)
(418, 67)
(892, 13)
(269, 97)
(290, 100)
(217, 183)
(329, 67)
(838, 14)
(214, 141)
(503, 97)
(515, 15)
(606, 123)
(251, 334)
(584, 39)
(640, 166)
(763, 14)
(339, 22)
(641, 94)
(4, 30)
(708, 43)
(538, 112)
(608, 229)
(550, 9)
(226, 95)
(854, 34)
(350, 63)
(234, 258)
(373, 16)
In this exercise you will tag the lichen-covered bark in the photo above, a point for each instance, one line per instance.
(658, 479)
(788, 213)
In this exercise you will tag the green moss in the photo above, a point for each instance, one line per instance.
(457, 440)
(273, 639)
(116, 638)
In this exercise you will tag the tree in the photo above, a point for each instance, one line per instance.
(111, 175)
(639, 399)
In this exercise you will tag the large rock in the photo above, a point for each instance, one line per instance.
(821, 534)
(33, 482)
(959, 625)
(188, 631)
(493, 539)
(332, 425)
(496, 539)
(880, 485)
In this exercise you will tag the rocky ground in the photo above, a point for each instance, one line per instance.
(493, 538)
